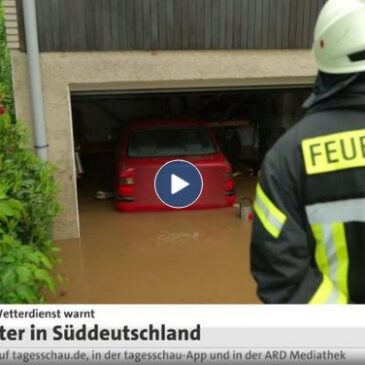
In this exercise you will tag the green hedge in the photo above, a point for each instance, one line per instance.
(27, 204)
(6, 94)
(27, 209)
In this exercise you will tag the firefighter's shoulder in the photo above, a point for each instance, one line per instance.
(286, 157)
(285, 150)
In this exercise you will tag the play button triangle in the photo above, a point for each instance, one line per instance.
(177, 184)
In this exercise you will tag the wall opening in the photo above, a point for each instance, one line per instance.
(100, 118)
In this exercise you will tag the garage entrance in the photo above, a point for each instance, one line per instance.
(174, 257)
(246, 123)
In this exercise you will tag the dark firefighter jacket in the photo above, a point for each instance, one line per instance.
(308, 241)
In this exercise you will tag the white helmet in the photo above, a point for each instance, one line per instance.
(339, 37)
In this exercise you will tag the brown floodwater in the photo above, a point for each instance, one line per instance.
(174, 257)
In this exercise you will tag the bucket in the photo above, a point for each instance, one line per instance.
(246, 212)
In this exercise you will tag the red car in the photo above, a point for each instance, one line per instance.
(148, 145)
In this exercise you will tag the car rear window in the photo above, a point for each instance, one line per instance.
(170, 142)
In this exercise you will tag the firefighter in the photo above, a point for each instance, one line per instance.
(308, 240)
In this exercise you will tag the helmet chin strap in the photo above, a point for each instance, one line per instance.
(328, 85)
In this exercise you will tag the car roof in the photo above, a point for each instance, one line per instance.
(148, 123)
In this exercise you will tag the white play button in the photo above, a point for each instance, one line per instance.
(177, 184)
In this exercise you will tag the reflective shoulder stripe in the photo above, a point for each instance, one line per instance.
(339, 151)
(271, 217)
(327, 293)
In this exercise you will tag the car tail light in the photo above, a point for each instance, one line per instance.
(127, 182)
(229, 183)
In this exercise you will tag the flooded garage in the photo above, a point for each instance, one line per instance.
(183, 256)
(175, 257)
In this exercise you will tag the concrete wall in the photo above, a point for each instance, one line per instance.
(65, 72)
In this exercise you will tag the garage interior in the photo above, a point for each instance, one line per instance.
(174, 257)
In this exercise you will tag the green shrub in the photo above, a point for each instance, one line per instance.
(6, 90)
(27, 204)
(27, 209)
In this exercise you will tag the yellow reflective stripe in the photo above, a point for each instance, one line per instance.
(332, 259)
(327, 293)
(334, 152)
(276, 212)
(342, 256)
(274, 231)
(323, 292)
(343, 299)
(320, 251)
(270, 216)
